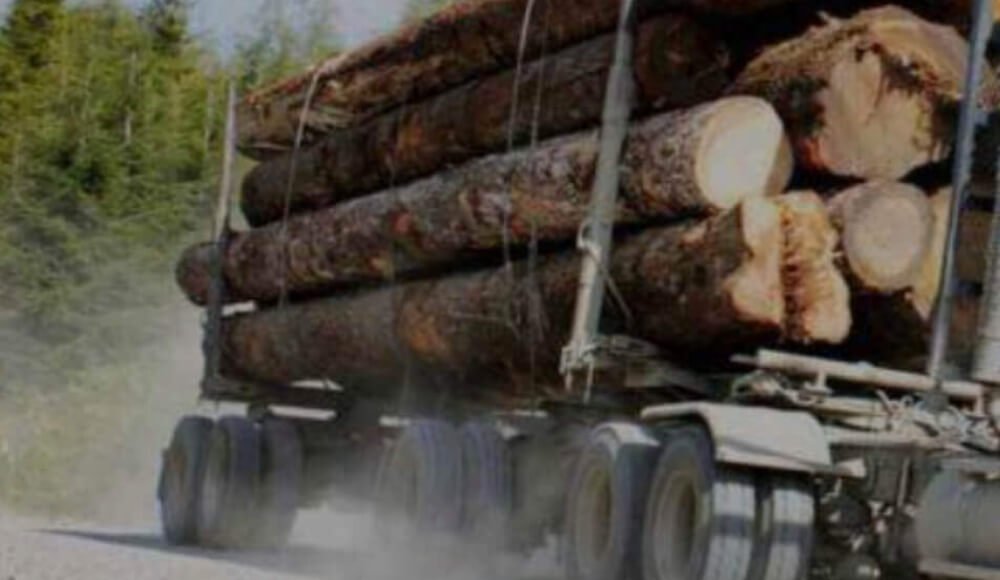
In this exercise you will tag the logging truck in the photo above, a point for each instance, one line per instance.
(772, 466)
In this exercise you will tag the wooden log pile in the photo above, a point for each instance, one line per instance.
(776, 190)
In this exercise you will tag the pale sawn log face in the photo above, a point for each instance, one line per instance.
(886, 233)
(711, 288)
(870, 97)
(681, 65)
(816, 293)
(677, 165)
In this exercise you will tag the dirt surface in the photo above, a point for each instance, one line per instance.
(323, 548)
(32, 550)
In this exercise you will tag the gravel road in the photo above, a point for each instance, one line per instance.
(36, 550)
(32, 550)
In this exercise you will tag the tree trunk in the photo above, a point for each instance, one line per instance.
(886, 230)
(871, 97)
(707, 288)
(458, 44)
(675, 165)
(677, 64)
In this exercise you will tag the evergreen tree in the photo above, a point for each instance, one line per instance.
(167, 21)
(104, 167)
(31, 27)
(420, 9)
(290, 36)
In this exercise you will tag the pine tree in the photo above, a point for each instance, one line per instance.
(104, 167)
(167, 21)
(290, 36)
(30, 29)
(420, 9)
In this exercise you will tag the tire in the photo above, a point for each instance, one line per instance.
(786, 512)
(488, 486)
(606, 502)
(230, 486)
(701, 517)
(280, 485)
(181, 475)
(420, 484)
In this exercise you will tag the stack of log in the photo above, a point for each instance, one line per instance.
(415, 211)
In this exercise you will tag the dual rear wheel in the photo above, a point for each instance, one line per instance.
(690, 519)
(438, 478)
(640, 507)
(230, 484)
(439, 482)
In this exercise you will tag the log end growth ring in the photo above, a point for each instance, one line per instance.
(886, 231)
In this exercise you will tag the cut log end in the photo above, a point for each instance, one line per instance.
(869, 97)
(756, 289)
(886, 232)
(743, 153)
(877, 122)
(816, 292)
(193, 273)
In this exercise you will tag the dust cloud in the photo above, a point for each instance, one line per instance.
(88, 446)
(87, 456)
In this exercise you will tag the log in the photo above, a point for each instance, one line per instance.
(463, 42)
(869, 97)
(676, 165)
(886, 229)
(896, 327)
(816, 293)
(677, 64)
(710, 287)
(974, 241)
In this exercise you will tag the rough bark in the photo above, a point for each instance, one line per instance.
(886, 230)
(467, 41)
(871, 96)
(677, 64)
(974, 241)
(676, 165)
(709, 288)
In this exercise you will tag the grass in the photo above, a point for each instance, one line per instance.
(88, 446)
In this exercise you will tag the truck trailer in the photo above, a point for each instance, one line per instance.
(773, 466)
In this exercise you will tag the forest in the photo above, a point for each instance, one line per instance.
(109, 155)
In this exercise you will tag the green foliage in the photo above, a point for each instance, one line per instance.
(289, 35)
(29, 32)
(167, 21)
(107, 153)
(420, 9)
(109, 150)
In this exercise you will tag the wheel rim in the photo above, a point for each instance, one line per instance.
(675, 527)
(592, 530)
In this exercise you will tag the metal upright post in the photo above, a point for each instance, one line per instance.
(961, 174)
(596, 236)
(211, 344)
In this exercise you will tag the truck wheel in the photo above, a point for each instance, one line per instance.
(786, 514)
(488, 486)
(180, 480)
(281, 480)
(606, 500)
(420, 484)
(700, 519)
(229, 488)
